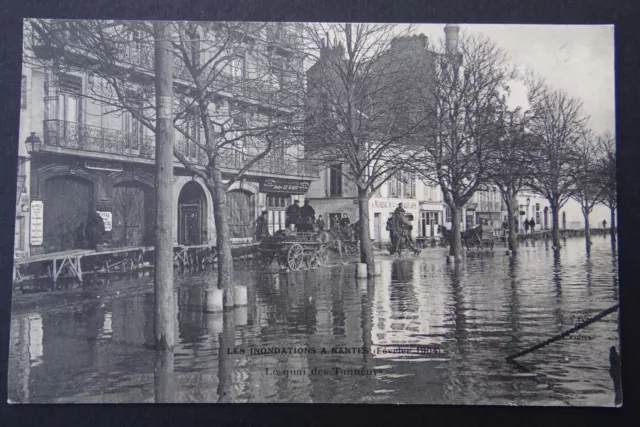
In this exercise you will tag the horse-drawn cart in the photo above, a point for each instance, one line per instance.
(293, 250)
(479, 239)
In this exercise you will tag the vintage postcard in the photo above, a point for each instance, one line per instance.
(313, 212)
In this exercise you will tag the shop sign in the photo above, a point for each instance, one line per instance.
(106, 218)
(36, 223)
(386, 204)
(283, 186)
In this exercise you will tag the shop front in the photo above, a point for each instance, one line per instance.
(380, 209)
(276, 196)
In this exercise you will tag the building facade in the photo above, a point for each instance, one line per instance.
(92, 158)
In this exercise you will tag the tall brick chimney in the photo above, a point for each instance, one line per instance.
(451, 37)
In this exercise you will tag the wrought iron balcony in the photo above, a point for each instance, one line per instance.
(59, 133)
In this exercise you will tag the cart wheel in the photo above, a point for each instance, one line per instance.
(295, 257)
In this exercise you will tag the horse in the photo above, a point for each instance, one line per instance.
(399, 233)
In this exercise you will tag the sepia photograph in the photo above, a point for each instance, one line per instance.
(315, 212)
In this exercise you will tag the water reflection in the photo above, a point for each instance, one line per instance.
(474, 313)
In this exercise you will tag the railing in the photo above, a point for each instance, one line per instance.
(59, 133)
(97, 139)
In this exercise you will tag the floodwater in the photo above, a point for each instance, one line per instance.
(423, 332)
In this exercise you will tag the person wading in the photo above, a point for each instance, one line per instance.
(94, 230)
(262, 226)
(307, 216)
(292, 214)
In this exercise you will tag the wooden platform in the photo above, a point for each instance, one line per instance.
(79, 262)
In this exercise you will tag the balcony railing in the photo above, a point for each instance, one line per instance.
(59, 133)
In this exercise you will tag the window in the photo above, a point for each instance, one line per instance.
(537, 213)
(69, 105)
(335, 180)
(278, 202)
(193, 134)
(195, 50)
(410, 188)
(23, 101)
(237, 69)
(447, 213)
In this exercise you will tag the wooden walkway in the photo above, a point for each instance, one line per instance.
(79, 262)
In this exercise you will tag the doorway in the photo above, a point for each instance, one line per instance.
(192, 214)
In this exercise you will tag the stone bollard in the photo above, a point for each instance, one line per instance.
(377, 269)
(213, 300)
(240, 315)
(240, 296)
(361, 270)
(362, 284)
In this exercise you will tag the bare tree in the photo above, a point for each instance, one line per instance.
(558, 126)
(587, 190)
(359, 107)
(509, 169)
(232, 116)
(463, 97)
(606, 170)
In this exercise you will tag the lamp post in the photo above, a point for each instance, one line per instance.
(33, 143)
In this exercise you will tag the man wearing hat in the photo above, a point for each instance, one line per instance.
(292, 213)
(262, 226)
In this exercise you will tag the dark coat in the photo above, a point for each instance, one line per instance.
(94, 230)
(307, 211)
(293, 214)
(320, 224)
(262, 227)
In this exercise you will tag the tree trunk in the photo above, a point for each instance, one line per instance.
(612, 210)
(163, 377)
(366, 248)
(223, 234)
(164, 307)
(587, 228)
(512, 238)
(555, 225)
(455, 248)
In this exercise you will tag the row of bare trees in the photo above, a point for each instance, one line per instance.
(388, 102)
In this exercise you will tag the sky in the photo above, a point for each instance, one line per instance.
(578, 59)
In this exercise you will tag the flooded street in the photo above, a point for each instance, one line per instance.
(423, 332)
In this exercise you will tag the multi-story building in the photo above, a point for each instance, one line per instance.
(334, 195)
(89, 156)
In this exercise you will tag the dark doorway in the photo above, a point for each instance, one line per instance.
(192, 215)
(564, 220)
(241, 210)
(67, 202)
(133, 215)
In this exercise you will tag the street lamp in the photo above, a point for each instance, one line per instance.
(33, 143)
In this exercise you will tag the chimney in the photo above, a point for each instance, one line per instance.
(451, 37)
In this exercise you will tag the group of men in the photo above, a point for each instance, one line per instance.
(303, 218)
